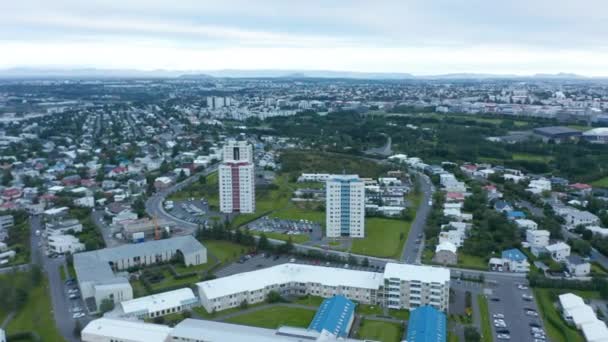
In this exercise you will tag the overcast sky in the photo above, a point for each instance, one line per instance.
(414, 36)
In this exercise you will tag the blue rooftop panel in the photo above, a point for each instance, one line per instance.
(513, 254)
(426, 324)
(334, 315)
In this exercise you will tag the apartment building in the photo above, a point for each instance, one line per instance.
(401, 286)
(237, 178)
(345, 206)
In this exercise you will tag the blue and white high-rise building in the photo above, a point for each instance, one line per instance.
(345, 206)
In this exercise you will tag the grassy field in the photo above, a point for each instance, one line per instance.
(380, 331)
(296, 162)
(486, 325)
(471, 261)
(556, 327)
(452, 337)
(304, 212)
(383, 237)
(267, 201)
(275, 317)
(309, 300)
(532, 157)
(600, 183)
(209, 190)
(36, 315)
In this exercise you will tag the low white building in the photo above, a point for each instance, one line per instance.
(558, 251)
(404, 286)
(114, 330)
(314, 177)
(62, 244)
(64, 227)
(603, 232)
(159, 304)
(526, 224)
(577, 266)
(575, 311)
(2, 335)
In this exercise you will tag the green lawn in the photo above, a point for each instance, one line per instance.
(170, 281)
(309, 300)
(224, 251)
(471, 261)
(365, 309)
(380, 331)
(267, 200)
(532, 157)
(383, 238)
(36, 316)
(556, 327)
(199, 310)
(275, 317)
(209, 191)
(601, 183)
(401, 314)
(452, 337)
(305, 211)
(486, 325)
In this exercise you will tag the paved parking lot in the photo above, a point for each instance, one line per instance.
(194, 211)
(295, 227)
(506, 299)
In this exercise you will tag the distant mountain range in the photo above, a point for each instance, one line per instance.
(235, 73)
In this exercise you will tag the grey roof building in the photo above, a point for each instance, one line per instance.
(99, 275)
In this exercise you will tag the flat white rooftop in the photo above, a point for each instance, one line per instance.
(286, 273)
(121, 330)
(158, 302)
(420, 273)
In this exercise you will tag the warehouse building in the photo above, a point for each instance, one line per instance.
(557, 133)
(158, 305)
(95, 270)
(426, 324)
(401, 286)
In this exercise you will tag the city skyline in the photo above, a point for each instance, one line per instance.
(518, 37)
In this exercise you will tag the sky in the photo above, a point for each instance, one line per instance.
(422, 37)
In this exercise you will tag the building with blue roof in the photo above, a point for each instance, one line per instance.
(335, 315)
(426, 324)
(511, 260)
(516, 214)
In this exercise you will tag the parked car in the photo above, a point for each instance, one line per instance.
(78, 315)
(498, 315)
(503, 336)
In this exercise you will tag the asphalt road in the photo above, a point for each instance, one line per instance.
(412, 251)
(154, 204)
(61, 304)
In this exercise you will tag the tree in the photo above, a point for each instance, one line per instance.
(263, 243)
(273, 297)
(106, 305)
(365, 262)
(7, 177)
(471, 334)
(581, 247)
(77, 329)
(35, 275)
(244, 304)
(587, 235)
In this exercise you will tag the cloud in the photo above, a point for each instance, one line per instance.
(393, 35)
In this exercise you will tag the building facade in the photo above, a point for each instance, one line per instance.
(237, 178)
(345, 206)
(401, 286)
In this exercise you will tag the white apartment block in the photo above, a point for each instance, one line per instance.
(62, 244)
(401, 286)
(345, 206)
(538, 240)
(237, 178)
(558, 251)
